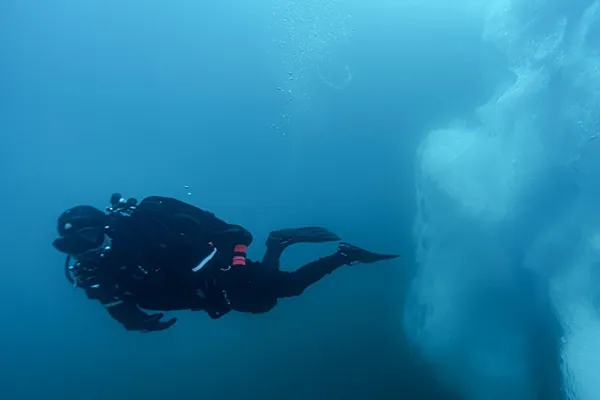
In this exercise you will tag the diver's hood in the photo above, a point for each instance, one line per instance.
(81, 241)
(81, 229)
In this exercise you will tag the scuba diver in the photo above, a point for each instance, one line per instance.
(167, 255)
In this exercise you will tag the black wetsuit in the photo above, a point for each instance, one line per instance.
(151, 261)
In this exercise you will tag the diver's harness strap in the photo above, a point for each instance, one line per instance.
(238, 260)
(225, 305)
(206, 260)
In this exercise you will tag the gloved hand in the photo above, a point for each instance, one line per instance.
(154, 323)
(134, 319)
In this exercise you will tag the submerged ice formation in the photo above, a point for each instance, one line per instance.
(507, 232)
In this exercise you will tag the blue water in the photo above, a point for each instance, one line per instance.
(281, 113)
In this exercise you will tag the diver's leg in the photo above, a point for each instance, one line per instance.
(279, 240)
(307, 234)
(272, 257)
(289, 284)
(355, 255)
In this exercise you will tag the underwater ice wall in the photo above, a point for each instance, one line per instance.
(508, 226)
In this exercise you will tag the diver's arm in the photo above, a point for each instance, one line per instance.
(133, 318)
(128, 314)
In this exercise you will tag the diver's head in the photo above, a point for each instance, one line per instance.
(81, 229)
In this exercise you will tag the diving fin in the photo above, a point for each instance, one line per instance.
(309, 234)
(357, 255)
